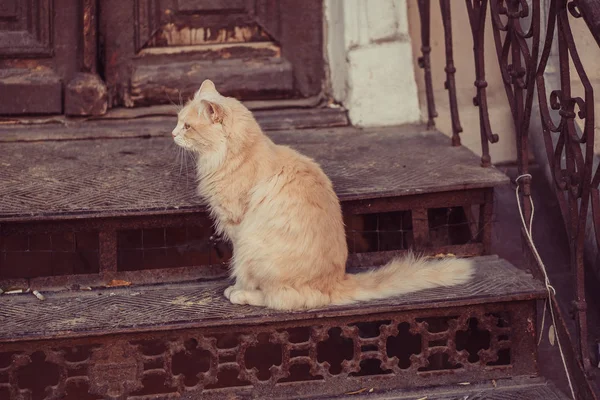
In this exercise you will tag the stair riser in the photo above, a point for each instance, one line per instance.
(220, 361)
(177, 245)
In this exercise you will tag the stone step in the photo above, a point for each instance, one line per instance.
(187, 339)
(122, 207)
(522, 388)
(140, 176)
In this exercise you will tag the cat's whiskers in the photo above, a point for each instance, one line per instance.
(180, 101)
(185, 157)
(175, 106)
(178, 157)
(174, 158)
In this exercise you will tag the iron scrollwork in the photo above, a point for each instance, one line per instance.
(477, 10)
(570, 155)
(523, 58)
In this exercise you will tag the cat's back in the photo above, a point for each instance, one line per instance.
(302, 170)
(293, 181)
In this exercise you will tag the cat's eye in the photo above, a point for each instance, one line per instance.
(186, 126)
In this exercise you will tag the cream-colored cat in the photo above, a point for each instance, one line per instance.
(283, 218)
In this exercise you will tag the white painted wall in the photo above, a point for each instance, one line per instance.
(371, 61)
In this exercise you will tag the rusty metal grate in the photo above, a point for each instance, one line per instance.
(33, 255)
(183, 247)
(142, 249)
(453, 226)
(318, 356)
(379, 232)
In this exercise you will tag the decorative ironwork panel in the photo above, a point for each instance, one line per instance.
(320, 356)
(570, 155)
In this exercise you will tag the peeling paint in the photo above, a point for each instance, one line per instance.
(220, 51)
(176, 35)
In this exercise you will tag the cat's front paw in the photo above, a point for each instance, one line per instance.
(228, 291)
(251, 297)
(236, 296)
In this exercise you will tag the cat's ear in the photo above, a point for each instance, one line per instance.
(215, 111)
(207, 86)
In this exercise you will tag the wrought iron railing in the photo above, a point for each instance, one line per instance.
(525, 32)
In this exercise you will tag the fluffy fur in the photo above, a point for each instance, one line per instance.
(283, 218)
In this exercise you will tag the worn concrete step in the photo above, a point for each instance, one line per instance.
(86, 210)
(521, 388)
(142, 176)
(144, 307)
(188, 339)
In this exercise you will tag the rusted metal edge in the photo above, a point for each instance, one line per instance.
(292, 316)
(583, 385)
(78, 216)
(590, 10)
(366, 260)
(365, 202)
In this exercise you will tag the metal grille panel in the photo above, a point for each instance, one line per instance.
(326, 355)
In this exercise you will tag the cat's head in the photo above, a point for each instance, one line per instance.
(212, 124)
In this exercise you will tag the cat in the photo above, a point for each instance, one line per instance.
(283, 218)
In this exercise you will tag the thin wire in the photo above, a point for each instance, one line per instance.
(549, 287)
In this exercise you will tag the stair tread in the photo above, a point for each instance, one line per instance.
(140, 176)
(201, 304)
(509, 389)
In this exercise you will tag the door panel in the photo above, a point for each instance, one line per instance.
(36, 58)
(150, 84)
(212, 5)
(179, 43)
(26, 32)
(163, 23)
(26, 28)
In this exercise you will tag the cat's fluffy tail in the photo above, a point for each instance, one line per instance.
(403, 275)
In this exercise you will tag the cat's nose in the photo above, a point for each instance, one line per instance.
(174, 133)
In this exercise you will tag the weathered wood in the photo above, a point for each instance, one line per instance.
(172, 33)
(86, 94)
(151, 124)
(212, 51)
(301, 118)
(302, 42)
(267, 13)
(38, 52)
(189, 31)
(165, 83)
(28, 31)
(184, 22)
(90, 36)
(266, 106)
(30, 92)
(212, 5)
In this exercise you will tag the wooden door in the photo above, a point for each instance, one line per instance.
(158, 51)
(48, 58)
